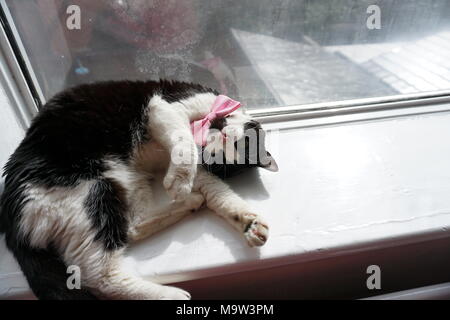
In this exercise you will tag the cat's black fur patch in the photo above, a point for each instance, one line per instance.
(106, 207)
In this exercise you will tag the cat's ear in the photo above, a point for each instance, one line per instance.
(271, 164)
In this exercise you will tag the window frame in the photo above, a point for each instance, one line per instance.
(352, 107)
(16, 72)
(19, 78)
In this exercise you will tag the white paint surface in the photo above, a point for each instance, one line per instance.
(340, 188)
(11, 133)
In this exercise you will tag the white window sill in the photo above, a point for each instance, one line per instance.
(341, 188)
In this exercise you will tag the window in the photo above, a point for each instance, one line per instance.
(265, 53)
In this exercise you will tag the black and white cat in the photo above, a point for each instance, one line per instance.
(77, 189)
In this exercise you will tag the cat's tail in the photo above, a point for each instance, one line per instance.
(46, 273)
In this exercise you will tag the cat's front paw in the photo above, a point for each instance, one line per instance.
(256, 230)
(194, 201)
(179, 181)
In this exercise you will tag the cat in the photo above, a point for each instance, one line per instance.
(77, 188)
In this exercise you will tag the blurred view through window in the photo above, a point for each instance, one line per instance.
(266, 53)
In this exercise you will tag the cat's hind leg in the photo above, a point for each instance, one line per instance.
(105, 273)
(164, 217)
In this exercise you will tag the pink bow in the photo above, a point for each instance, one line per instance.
(221, 107)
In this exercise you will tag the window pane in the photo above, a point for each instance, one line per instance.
(266, 53)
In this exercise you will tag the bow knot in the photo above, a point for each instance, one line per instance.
(211, 116)
(221, 107)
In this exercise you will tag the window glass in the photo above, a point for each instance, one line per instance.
(266, 53)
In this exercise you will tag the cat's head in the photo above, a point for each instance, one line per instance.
(236, 142)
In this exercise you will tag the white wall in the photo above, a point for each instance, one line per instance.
(11, 131)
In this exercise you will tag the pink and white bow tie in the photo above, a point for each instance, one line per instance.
(221, 107)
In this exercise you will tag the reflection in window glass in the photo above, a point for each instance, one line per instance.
(266, 53)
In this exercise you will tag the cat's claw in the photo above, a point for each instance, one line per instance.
(256, 230)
